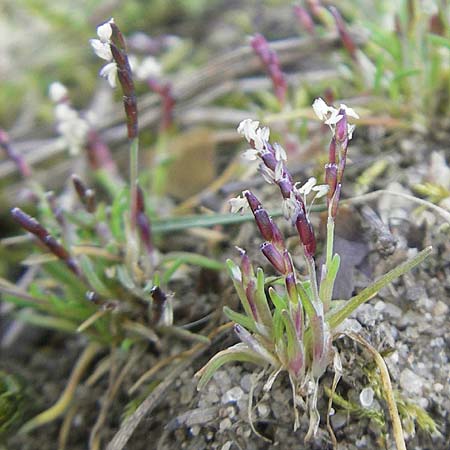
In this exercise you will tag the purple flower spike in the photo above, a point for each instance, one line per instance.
(286, 187)
(305, 19)
(342, 128)
(274, 256)
(291, 287)
(253, 202)
(331, 179)
(335, 201)
(164, 90)
(30, 224)
(269, 160)
(332, 151)
(246, 267)
(250, 294)
(159, 300)
(306, 233)
(346, 39)
(264, 223)
(272, 65)
(16, 158)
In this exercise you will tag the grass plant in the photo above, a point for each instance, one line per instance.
(290, 327)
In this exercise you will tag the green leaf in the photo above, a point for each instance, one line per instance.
(71, 284)
(337, 317)
(194, 259)
(236, 277)
(305, 297)
(119, 206)
(293, 345)
(278, 327)
(326, 287)
(277, 299)
(92, 277)
(167, 275)
(125, 278)
(239, 352)
(241, 319)
(261, 300)
(439, 41)
(44, 321)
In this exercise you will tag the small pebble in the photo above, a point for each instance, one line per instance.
(246, 382)
(366, 397)
(410, 382)
(195, 430)
(225, 424)
(339, 420)
(230, 412)
(227, 445)
(263, 410)
(379, 306)
(232, 395)
(440, 309)
(392, 310)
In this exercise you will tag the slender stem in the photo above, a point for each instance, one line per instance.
(330, 240)
(314, 288)
(326, 284)
(134, 162)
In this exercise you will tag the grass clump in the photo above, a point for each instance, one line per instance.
(291, 326)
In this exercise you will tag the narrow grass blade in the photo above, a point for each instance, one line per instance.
(194, 259)
(241, 319)
(239, 352)
(337, 317)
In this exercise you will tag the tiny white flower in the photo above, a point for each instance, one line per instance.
(247, 128)
(109, 72)
(280, 153)
(278, 171)
(57, 92)
(321, 190)
(260, 138)
(148, 67)
(349, 111)
(101, 49)
(334, 118)
(307, 187)
(238, 204)
(263, 133)
(320, 108)
(267, 174)
(64, 113)
(250, 154)
(104, 31)
(290, 207)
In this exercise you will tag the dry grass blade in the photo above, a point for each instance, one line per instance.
(387, 388)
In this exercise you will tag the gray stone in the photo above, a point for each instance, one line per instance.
(233, 395)
(411, 382)
(366, 397)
